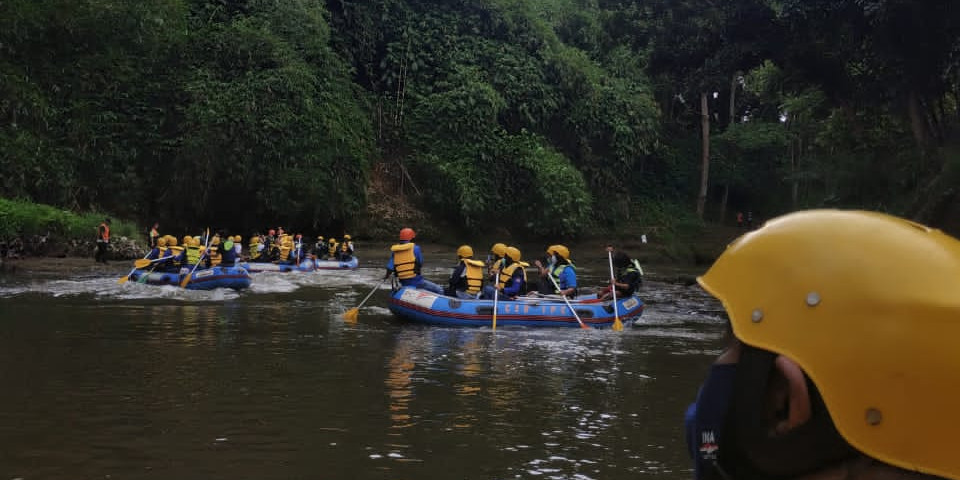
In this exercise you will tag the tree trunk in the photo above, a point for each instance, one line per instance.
(723, 203)
(795, 156)
(705, 165)
(733, 97)
(918, 123)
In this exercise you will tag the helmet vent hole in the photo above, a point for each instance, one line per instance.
(757, 315)
(874, 417)
(813, 299)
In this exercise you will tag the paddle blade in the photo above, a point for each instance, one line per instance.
(351, 315)
(617, 324)
(584, 326)
(123, 280)
(186, 280)
(141, 263)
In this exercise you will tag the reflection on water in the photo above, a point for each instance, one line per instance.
(271, 383)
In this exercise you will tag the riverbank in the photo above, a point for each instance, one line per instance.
(678, 258)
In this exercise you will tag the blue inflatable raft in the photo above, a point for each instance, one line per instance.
(236, 278)
(422, 306)
(304, 266)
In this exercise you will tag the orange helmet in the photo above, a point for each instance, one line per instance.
(407, 234)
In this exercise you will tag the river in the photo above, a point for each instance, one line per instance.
(108, 381)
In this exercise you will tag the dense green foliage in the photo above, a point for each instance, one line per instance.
(25, 219)
(546, 117)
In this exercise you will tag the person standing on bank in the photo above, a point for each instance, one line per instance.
(103, 241)
(153, 235)
(406, 261)
(842, 362)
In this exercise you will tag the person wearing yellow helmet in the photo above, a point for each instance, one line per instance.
(495, 260)
(842, 362)
(332, 248)
(512, 278)
(561, 268)
(405, 262)
(158, 250)
(319, 248)
(345, 254)
(467, 276)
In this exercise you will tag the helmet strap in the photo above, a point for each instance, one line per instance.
(770, 431)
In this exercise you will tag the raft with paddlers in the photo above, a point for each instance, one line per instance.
(307, 265)
(236, 278)
(422, 306)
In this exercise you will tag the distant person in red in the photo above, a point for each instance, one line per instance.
(103, 241)
(740, 219)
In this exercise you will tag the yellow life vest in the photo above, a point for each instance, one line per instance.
(254, 250)
(214, 254)
(332, 249)
(404, 261)
(524, 265)
(474, 274)
(284, 251)
(162, 250)
(507, 273)
(193, 254)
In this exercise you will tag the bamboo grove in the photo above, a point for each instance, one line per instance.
(544, 116)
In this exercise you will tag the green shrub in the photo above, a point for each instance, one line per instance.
(25, 219)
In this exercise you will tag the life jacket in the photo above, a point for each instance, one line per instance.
(214, 254)
(175, 252)
(106, 232)
(404, 260)
(496, 266)
(332, 248)
(254, 249)
(473, 270)
(558, 270)
(161, 252)
(524, 265)
(193, 254)
(506, 273)
(285, 251)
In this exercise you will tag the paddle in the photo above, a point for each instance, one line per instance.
(351, 315)
(574, 312)
(186, 280)
(617, 324)
(496, 291)
(136, 265)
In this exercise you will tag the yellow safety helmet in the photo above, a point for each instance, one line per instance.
(513, 253)
(346, 237)
(498, 249)
(171, 241)
(186, 240)
(332, 240)
(162, 241)
(237, 238)
(194, 242)
(216, 240)
(561, 250)
(320, 237)
(867, 304)
(465, 251)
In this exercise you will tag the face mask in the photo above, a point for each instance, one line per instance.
(704, 421)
